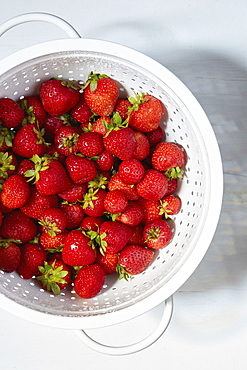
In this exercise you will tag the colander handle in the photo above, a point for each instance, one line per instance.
(136, 347)
(39, 16)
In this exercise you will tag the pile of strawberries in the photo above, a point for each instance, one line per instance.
(88, 184)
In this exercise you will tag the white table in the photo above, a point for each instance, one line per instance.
(204, 44)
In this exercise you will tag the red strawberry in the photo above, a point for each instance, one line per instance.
(170, 205)
(102, 125)
(168, 155)
(121, 143)
(29, 141)
(32, 256)
(54, 276)
(157, 234)
(11, 114)
(80, 169)
(24, 165)
(137, 237)
(10, 255)
(81, 111)
(91, 223)
(90, 144)
(49, 175)
(153, 186)
(74, 214)
(52, 125)
(156, 136)
(134, 259)
(101, 94)
(53, 221)
(89, 281)
(132, 216)
(8, 164)
(105, 161)
(151, 210)
(6, 138)
(172, 186)
(16, 225)
(78, 249)
(75, 193)
(53, 243)
(131, 171)
(66, 139)
(93, 202)
(142, 149)
(116, 183)
(115, 202)
(34, 110)
(58, 96)
(108, 261)
(145, 113)
(121, 107)
(15, 192)
(37, 202)
(114, 236)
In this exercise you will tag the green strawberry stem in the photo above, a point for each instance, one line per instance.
(41, 164)
(174, 173)
(93, 79)
(51, 276)
(122, 273)
(5, 164)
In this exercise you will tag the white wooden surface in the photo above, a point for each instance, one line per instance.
(204, 44)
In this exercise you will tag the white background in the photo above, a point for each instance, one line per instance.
(203, 42)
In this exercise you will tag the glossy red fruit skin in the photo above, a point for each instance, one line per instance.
(32, 256)
(151, 210)
(108, 261)
(77, 251)
(117, 235)
(9, 257)
(34, 110)
(172, 204)
(53, 242)
(15, 191)
(121, 143)
(153, 186)
(11, 114)
(115, 201)
(142, 149)
(156, 136)
(81, 111)
(132, 216)
(53, 216)
(105, 161)
(91, 223)
(74, 214)
(16, 225)
(81, 170)
(165, 234)
(66, 139)
(131, 171)
(89, 281)
(75, 193)
(129, 190)
(28, 141)
(135, 258)
(121, 107)
(97, 208)
(167, 155)
(90, 144)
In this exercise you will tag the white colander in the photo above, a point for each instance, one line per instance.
(201, 190)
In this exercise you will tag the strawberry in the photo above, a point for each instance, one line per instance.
(24, 165)
(91, 223)
(53, 243)
(34, 110)
(10, 255)
(29, 141)
(151, 210)
(74, 214)
(157, 234)
(108, 261)
(53, 221)
(11, 114)
(93, 202)
(15, 191)
(78, 249)
(54, 276)
(102, 125)
(105, 161)
(142, 149)
(116, 183)
(75, 193)
(172, 186)
(32, 256)
(121, 143)
(114, 236)
(170, 205)
(115, 202)
(37, 202)
(89, 281)
(168, 155)
(131, 171)
(134, 259)
(66, 139)
(6, 138)
(8, 164)
(52, 125)
(80, 169)
(101, 94)
(132, 216)
(145, 113)
(58, 96)
(121, 108)
(137, 237)
(153, 186)
(49, 175)
(156, 136)
(90, 144)
(16, 225)
(81, 111)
